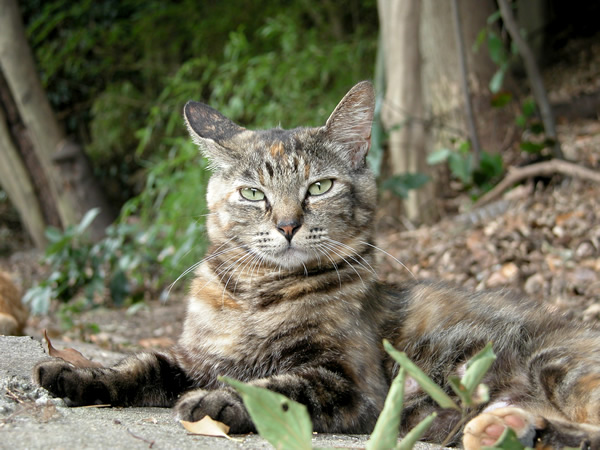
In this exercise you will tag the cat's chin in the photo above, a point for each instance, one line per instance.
(292, 259)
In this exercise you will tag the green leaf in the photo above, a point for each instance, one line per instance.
(528, 107)
(501, 99)
(87, 220)
(281, 421)
(508, 441)
(477, 367)
(401, 184)
(415, 434)
(479, 39)
(438, 156)
(461, 167)
(496, 49)
(497, 80)
(436, 392)
(494, 17)
(385, 434)
(532, 147)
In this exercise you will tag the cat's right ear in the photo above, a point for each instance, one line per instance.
(213, 133)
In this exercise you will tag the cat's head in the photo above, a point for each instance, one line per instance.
(295, 198)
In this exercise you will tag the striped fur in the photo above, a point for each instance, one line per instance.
(288, 299)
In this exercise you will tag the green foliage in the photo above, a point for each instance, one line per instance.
(385, 433)
(460, 162)
(508, 441)
(120, 72)
(286, 424)
(281, 421)
(401, 184)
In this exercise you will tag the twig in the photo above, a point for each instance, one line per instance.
(533, 73)
(150, 443)
(546, 168)
(464, 76)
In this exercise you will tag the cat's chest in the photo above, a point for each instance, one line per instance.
(249, 335)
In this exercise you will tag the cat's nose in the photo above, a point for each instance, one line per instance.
(289, 228)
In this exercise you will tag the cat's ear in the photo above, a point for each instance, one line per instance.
(213, 133)
(350, 123)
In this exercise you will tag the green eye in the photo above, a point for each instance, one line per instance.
(320, 187)
(252, 194)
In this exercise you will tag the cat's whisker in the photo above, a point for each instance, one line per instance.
(320, 245)
(194, 266)
(391, 256)
(330, 247)
(354, 252)
(252, 261)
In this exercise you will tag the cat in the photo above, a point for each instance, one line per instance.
(13, 314)
(288, 299)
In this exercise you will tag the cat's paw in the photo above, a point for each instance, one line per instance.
(487, 427)
(221, 405)
(76, 386)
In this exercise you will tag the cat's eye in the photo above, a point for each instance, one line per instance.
(320, 187)
(252, 194)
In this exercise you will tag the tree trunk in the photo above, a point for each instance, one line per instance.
(444, 101)
(16, 182)
(402, 112)
(69, 179)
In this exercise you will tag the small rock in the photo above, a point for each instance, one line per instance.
(535, 284)
(592, 312)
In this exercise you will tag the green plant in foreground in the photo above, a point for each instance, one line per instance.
(286, 424)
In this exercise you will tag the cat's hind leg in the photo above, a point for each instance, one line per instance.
(147, 379)
(531, 429)
(486, 428)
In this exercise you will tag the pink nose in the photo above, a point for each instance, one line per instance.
(289, 228)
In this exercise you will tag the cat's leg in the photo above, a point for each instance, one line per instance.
(146, 379)
(224, 405)
(531, 429)
(334, 402)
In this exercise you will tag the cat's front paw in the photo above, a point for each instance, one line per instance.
(76, 386)
(222, 405)
(485, 429)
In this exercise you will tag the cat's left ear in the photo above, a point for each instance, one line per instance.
(214, 133)
(350, 123)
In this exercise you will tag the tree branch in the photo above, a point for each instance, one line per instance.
(517, 174)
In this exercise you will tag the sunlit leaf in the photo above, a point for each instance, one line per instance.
(438, 156)
(385, 434)
(436, 392)
(281, 421)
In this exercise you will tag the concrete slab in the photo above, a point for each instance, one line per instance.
(31, 419)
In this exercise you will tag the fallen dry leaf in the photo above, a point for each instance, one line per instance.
(207, 427)
(70, 355)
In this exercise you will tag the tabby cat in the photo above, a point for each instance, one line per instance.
(288, 299)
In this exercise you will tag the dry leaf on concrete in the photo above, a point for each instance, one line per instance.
(70, 355)
(207, 427)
